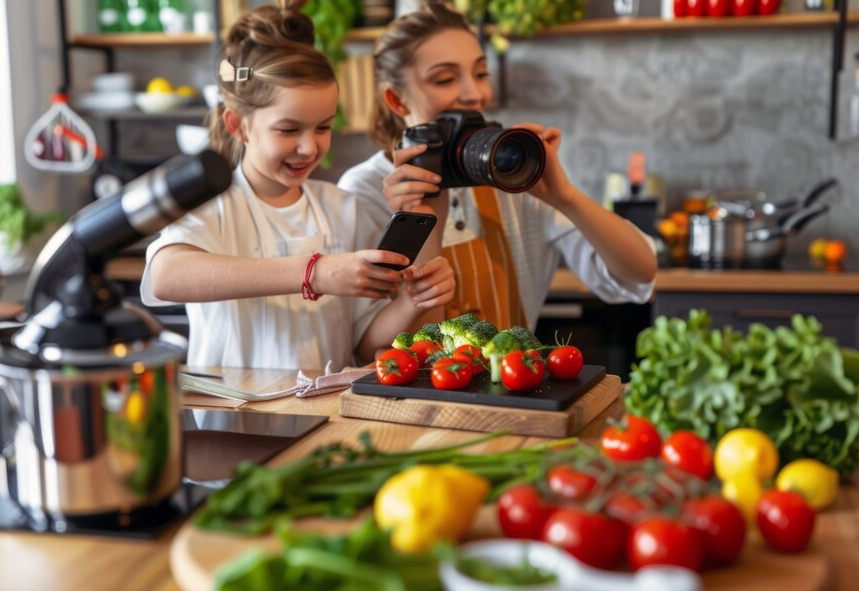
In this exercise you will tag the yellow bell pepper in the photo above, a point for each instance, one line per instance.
(425, 504)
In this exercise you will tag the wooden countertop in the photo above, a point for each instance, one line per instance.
(48, 561)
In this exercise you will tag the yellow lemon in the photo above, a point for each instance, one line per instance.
(814, 480)
(186, 91)
(817, 247)
(744, 490)
(135, 408)
(746, 450)
(159, 85)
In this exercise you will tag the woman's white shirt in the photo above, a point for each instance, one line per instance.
(285, 331)
(538, 236)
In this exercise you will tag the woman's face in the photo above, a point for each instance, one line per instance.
(286, 140)
(449, 71)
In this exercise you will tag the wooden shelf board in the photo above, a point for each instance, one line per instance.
(141, 40)
(193, 112)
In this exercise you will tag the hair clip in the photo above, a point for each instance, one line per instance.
(229, 73)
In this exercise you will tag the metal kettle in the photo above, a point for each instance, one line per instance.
(89, 402)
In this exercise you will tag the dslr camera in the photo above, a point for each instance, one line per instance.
(467, 151)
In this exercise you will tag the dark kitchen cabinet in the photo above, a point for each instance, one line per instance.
(839, 314)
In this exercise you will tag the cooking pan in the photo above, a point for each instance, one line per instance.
(765, 247)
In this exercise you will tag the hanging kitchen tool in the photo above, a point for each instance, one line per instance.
(60, 140)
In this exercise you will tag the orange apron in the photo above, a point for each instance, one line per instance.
(485, 272)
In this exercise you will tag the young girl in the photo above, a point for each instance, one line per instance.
(504, 248)
(252, 263)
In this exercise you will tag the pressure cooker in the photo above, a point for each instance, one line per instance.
(89, 402)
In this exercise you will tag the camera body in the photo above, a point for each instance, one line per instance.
(467, 151)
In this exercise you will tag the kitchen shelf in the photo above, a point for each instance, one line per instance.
(141, 40)
(197, 112)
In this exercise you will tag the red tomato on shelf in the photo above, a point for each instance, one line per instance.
(396, 367)
(638, 440)
(785, 520)
(766, 7)
(687, 452)
(659, 540)
(565, 363)
(522, 513)
(744, 7)
(721, 525)
(450, 374)
(718, 8)
(522, 370)
(594, 539)
(472, 356)
(696, 7)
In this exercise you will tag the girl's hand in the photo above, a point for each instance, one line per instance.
(406, 186)
(358, 274)
(554, 184)
(430, 286)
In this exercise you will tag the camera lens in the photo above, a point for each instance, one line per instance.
(509, 159)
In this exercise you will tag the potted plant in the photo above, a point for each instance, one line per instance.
(18, 226)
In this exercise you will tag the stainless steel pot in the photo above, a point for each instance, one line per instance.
(102, 437)
(717, 239)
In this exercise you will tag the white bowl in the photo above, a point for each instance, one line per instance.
(105, 102)
(156, 102)
(192, 139)
(113, 82)
(211, 95)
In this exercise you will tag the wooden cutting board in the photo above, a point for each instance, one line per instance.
(196, 555)
(485, 418)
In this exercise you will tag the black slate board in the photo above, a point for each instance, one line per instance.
(552, 395)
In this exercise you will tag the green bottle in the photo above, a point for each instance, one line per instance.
(172, 16)
(111, 16)
(142, 16)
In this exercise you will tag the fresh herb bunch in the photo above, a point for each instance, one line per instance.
(18, 222)
(793, 384)
(521, 18)
(339, 480)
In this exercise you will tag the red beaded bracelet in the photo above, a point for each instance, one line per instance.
(306, 291)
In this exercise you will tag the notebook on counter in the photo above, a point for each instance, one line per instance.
(238, 383)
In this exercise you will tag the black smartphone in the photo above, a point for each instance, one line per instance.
(406, 233)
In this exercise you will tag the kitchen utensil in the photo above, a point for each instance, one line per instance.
(765, 247)
(160, 102)
(571, 573)
(717, 237)
(89, 404)
(46, 147)
(113, 82)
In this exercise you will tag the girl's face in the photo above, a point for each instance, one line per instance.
(449, 71)
(286, 140)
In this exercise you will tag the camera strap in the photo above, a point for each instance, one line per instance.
(486, 282)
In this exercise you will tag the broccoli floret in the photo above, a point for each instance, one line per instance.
(480, 333)
(454, 329)
(526, 337)
(495, 350)
(403, 340)
(428, 332)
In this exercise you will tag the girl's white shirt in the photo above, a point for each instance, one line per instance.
(286, 332)
(538, 235)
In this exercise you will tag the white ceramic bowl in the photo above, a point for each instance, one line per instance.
(192, 139)
(105, 102)
(113, 82)
(153, 102)
(211, 95)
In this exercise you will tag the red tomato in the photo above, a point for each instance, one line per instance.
(680, 9)
(687, 452)
(721, 525)
(569, 484)
(626, 508)
(450, 374)
(744, 7)
(718, 8)
(522, 513)
(522, 370)
(565, 363)
(785, 520)
(423, 349)
(659, 540)
(696, 7)
(766, 7)
(637, 441)
(396, 367)
(594, 539)
(471, 355)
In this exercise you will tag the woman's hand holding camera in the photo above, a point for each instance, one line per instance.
(431, 285)
(358, 274)
(554, 184)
